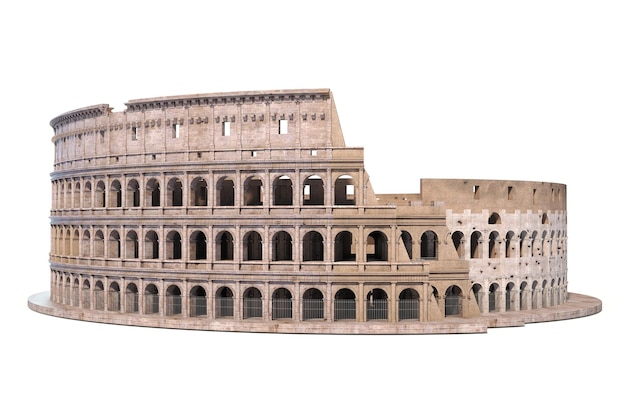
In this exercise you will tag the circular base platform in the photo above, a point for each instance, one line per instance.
(577, 305)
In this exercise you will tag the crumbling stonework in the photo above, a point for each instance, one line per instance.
(246, 211)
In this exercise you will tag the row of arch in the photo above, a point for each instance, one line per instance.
(250, 303)
(68, 241)
(511, 245)
(525, 296)
(85, 194)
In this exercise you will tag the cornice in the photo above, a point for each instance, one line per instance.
(81, 114)
(215, 99)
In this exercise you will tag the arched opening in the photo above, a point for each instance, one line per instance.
(376, 247)
(98, 295)
(87, 195)
(76, 243)
(224, 247)
(173, 301)
(428, 245)
(114, 244)
(281, 304)
(67, 249)
(115, 299)
(523, 244)
(151, 299)
(174, 193)
(225, 194)
(408, 305)
(508, 246)
(132, 299)
(100, 195)
(115, 194)
(509, 298)
(151, 245)
(197, 301)
(132, 245)
(523, 296)
(67, 296)
(534, 296)
(283, 191)
(86, 301)
(313, 191)
(545, 219)
(454, 301)
(475, 246)
(76, 196)
(98, 244)
(345, 191)
(86, 244)
(494, 219)
(132, 194)
(494, 245)
(345, 305)
(377, 305)
(458, 239)
(199, 192)
(494, 297)
(76, 292)
(535, 245)
(407, 241)
(67, 196)
(253, 192)
(224, 305)
(313, 247)
(252, 246)
(252, 303)
(173, 245)
(153, 193)
(197, 246)
(282, 247)
(344, 247)
(312, 304)
(479, 294)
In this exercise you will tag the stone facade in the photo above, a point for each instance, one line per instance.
(246, 211)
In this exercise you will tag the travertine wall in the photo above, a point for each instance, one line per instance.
(204, 205)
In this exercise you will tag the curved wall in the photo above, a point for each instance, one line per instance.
(247, 208)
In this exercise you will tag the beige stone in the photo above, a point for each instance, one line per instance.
(247, 212)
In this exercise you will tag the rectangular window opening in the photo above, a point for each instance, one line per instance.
(225, 128)
(510, 193)
(476, 192)
(283, 126)
(253, 154)
(175, 131)
(133, 133)
(313, 152)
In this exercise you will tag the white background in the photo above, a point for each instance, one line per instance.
(531, 90)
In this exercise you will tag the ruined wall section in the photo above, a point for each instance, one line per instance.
(476, 195)
(514, 234)
(267, 125)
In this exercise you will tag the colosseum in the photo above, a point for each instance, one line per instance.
(246, 211)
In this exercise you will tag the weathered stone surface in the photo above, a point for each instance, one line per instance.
(247, 212)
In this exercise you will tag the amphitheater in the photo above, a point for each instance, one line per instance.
(246, 211)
